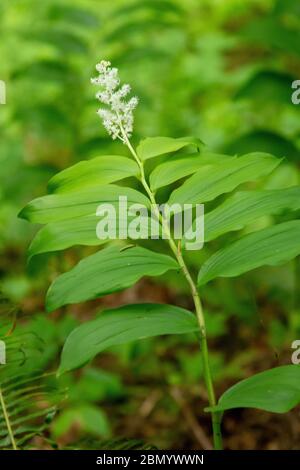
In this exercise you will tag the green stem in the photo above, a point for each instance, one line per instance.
(6, 418)
(216, 417)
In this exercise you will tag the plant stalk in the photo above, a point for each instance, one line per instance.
(216, 417)
(6, 418)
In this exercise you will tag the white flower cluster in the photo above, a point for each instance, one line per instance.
(118, 117)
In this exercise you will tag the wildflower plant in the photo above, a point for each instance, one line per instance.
(193, 175)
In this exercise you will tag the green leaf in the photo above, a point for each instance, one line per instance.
(268, 32)
(73, 15)
(130, 29)
(65, 233)
(121, 325)
(264, 141)
(155, 146)
(268, 85)
(246, 206)
(95, 172)
(181, 166)
(109, 270)
(66, 42)
(210, 182)
(55, 207)
(90, 418)
(276, 390)
(44, 70)
(271, 246)
(77, 231)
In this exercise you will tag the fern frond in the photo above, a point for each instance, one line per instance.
(28, 397)
(25, 405)
(112, 444)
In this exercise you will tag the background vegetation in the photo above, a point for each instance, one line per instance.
(218, 69)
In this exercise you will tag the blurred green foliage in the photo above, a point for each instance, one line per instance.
(218, 69)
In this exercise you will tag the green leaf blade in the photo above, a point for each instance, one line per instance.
(110, 270)
(271, 246)
(275, 390)
(246, 206)
(97, 171)
(63, 234)
(180, 166)
(208, 183)
(155, 146)
(122, 325)
(57, 207)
